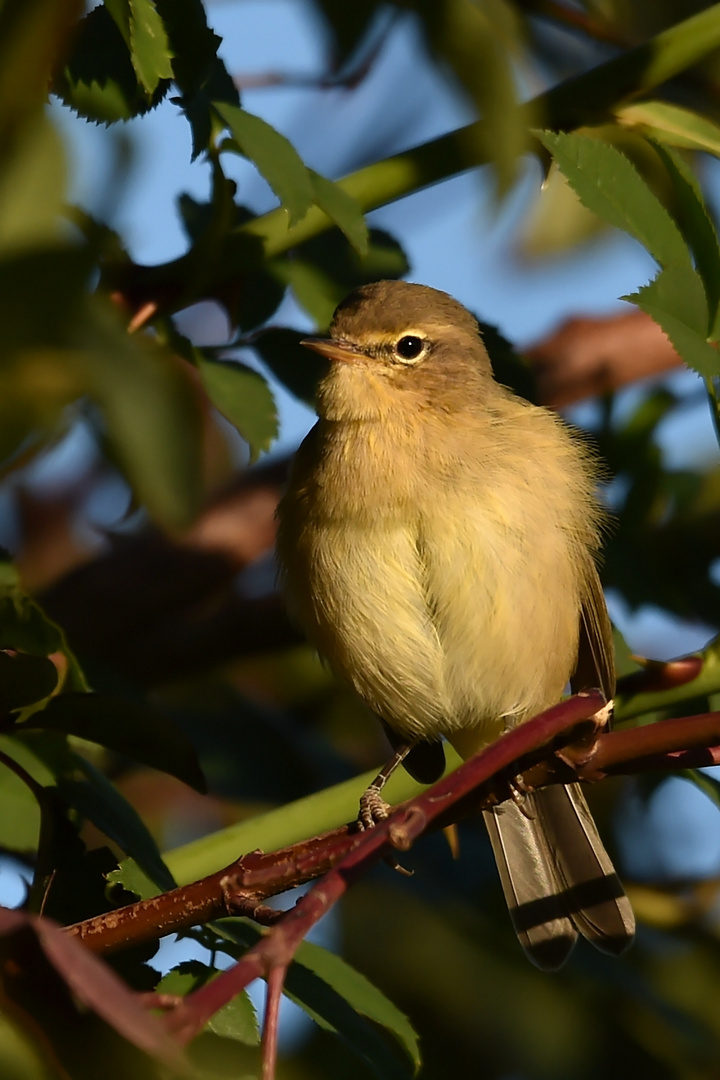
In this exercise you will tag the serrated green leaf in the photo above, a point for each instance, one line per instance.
(127, 727)
(342, 209)
(149, 45)
(236, 1020)
(244, 398)
(673, 124)
(152, 415)
(610, 185)
(698, 228)
(275, 157)
(99, 81)
(676, 301)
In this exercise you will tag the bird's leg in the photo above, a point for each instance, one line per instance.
(373, 807)
(519, 792)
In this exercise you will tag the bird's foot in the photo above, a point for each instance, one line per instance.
(519, 792)
(373, 808)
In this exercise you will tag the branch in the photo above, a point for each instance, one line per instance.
(558, 746)
(584, 99)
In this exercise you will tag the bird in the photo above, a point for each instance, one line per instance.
(438, 543)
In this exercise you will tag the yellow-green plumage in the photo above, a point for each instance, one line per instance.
(438, 538)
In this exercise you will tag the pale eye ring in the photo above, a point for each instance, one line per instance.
(409, 348)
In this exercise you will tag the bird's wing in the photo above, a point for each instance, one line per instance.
(595, 665)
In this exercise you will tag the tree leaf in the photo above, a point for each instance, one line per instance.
(99, 81)
(25, 679)
(152, 414)
(244, 398)
(275, 157)
(25, 626)
(342, 209)
(236, 1020)
(127, 727)
(296, 367)
(93, 983)
(100, 801)
(149, 45)
(676, 301)
(343, 1001)
(33, 187)
(610, 185)
(672, 124)
(698, 228)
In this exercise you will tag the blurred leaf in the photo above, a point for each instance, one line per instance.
(298, 368)
(342, 209)
(89, 979)
(236, 1020)
(696, 224)
(145, 36)
(32, 187)
(348, 24)
(557, 219)
(275, 157)
(610, 185)
(676, 301)
(323, 270)
(33, 34)
(244, 398)
(96, 799)
(673, 124)
(152, 414)
(476, 38)
(127, 727)
(25, 679)
(99, 81)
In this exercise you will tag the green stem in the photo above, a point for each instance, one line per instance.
(584, 99)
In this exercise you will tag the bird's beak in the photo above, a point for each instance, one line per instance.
(334, 350)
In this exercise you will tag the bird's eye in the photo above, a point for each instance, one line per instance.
(409, 348)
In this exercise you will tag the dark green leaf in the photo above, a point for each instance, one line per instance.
(342, 209)
(244, 398)
(610, 185)
(275, 157)
(296, 367)
(99, 801)
(25, 679)
(343, 1001)
(152, 414)
(236, 1020)
(696, 223)
(127, 727)
(676, 301)
(25, 626)
(99, 81)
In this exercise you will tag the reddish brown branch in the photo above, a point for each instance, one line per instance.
(558, 746)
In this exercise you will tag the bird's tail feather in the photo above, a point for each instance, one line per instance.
(557, 877)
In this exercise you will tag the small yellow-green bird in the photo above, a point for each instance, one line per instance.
(437, 542)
